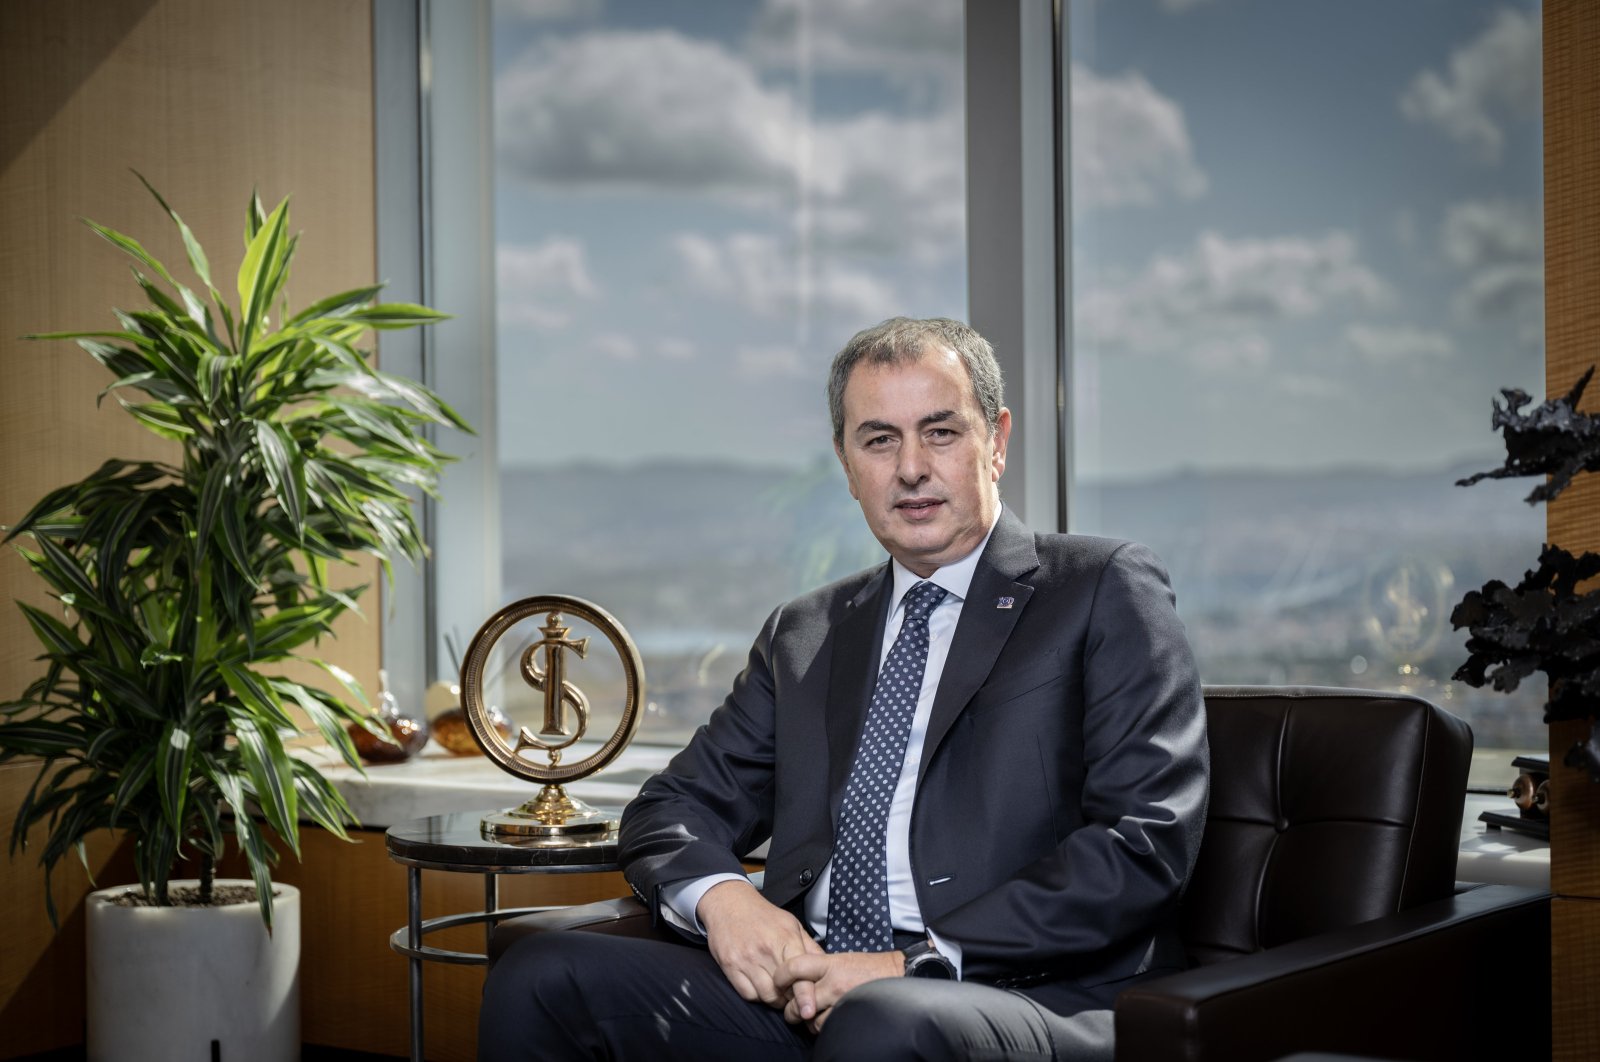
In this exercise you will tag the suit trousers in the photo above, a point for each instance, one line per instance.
(575, 995)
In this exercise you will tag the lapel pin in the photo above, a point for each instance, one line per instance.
(1004, 602)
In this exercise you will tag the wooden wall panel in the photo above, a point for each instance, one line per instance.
(353, 987)
(1574, 963)
(1572, 344)
(41, 969)
(206, 98)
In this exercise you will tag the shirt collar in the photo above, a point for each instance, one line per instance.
(955, 578)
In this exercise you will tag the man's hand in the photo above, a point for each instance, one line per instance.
(750, 939)
(815, 982)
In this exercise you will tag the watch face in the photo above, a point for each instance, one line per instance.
(932, 965)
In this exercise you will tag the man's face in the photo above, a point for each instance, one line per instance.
(920, 458)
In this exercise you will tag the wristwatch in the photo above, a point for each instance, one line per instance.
(923, 961)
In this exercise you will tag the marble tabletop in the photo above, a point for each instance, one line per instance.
(456, 841)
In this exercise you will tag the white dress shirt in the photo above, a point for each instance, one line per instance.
(680, 899)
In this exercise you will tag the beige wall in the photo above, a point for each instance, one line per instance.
(205, 98)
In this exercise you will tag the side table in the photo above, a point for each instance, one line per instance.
(455, 843)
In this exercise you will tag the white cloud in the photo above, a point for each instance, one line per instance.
(1130, 144)
(1210, 302)
(901, 38)
(1506, 291)
(546, 10)
(765, 362)
(655, 109)
(676, 349)
(1397, 344)
(659, 111)
(1231, 352)
(1493, 77)
(755, 271)
(539, 282)
(615, 345)
(1478, 233)
(1499, 244)
(891, 186)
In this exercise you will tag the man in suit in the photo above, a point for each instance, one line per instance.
(981, 767)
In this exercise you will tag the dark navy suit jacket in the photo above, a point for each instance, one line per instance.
(1063, 781)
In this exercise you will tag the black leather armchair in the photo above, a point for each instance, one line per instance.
(1323, 914)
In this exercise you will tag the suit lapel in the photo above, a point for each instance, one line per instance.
(857, 644)
(984, 627)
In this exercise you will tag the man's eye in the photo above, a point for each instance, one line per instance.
(877, 442)
(941, 434)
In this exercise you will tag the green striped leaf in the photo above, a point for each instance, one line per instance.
(197, 254)
(256, 694)
(395, 315)
(288, 481)
(134, 248)
(260, 273)
(174, 758)
(271, 777)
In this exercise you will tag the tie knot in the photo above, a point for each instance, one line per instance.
(921, 600)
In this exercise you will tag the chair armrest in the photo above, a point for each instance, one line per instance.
(1459, 978)
(623, 916)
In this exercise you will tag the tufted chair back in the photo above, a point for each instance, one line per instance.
(1329, 807)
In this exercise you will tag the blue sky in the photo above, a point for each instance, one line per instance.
(1306, 233)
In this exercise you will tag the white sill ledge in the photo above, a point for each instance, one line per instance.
(1500, 857)
(437, 783)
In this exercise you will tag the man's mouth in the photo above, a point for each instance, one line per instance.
(917, 508)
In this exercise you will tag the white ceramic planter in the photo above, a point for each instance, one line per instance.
(164, 982)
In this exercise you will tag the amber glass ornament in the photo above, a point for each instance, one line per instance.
(451, 731)
(409, 733)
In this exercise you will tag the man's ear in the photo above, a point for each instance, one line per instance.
(849, 476)
(1002, 436)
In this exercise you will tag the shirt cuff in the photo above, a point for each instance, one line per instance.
(948, 948)
(681, 899)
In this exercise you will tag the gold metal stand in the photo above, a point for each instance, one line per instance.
(552, 814)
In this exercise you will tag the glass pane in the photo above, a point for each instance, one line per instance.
(696, 205)
(1307, 245)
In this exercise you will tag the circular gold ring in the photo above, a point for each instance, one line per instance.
(477, 712)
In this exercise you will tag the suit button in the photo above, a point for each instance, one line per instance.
(805, 877)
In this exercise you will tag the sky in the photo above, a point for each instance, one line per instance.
(1305, 233)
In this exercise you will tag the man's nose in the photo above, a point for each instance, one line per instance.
(913, 468)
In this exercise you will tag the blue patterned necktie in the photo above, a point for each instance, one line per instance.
(858, 889)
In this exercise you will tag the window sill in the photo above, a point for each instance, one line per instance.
(1500, 857)
(437, 783)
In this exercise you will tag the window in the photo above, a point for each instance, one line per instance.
(695, 205)
(1307, 246)
(1301, 248)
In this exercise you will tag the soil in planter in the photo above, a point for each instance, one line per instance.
(189, 896)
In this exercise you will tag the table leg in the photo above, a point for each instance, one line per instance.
(491, 903)
(414, 932)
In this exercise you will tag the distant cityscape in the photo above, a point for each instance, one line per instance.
(1340, 578)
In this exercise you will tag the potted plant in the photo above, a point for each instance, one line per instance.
(179, 583)
(1550, 621)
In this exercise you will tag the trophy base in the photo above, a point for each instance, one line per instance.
(551, 815)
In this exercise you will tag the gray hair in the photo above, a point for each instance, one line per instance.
(900, 340)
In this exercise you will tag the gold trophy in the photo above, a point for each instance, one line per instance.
(552, 816)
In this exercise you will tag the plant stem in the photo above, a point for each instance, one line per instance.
(208, 870)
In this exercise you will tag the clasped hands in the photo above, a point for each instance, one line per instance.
(767, 955)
